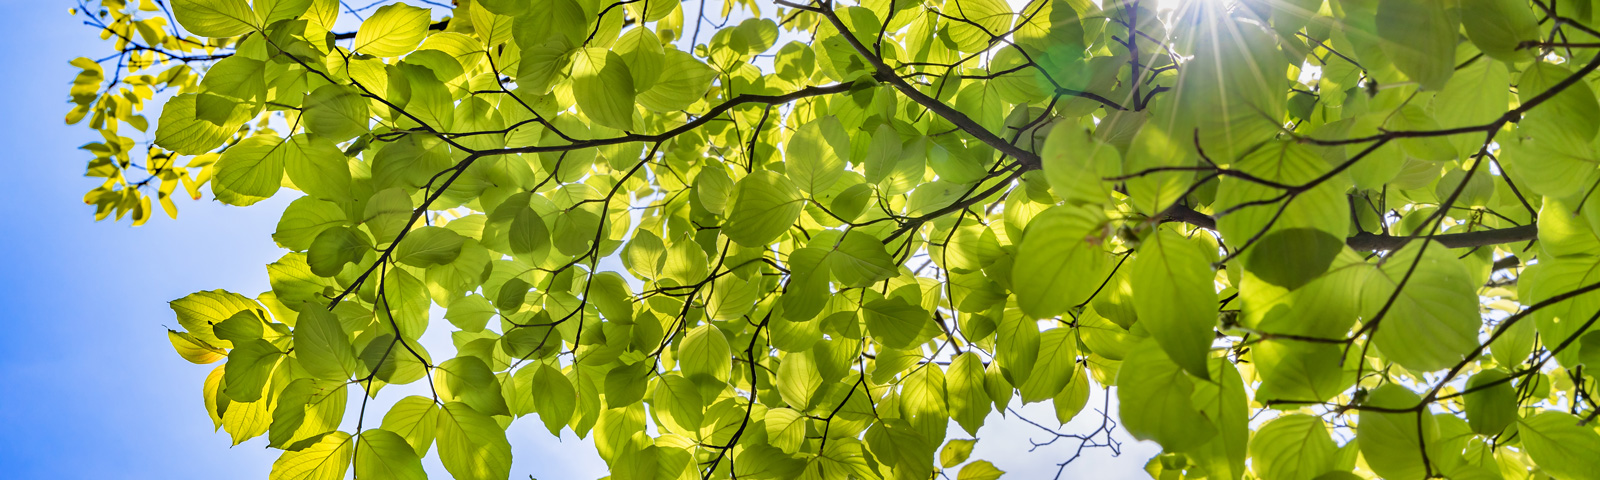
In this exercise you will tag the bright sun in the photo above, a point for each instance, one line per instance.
(1162, 5)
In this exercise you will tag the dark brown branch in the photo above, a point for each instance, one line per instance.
(1507, 263)
(711, 114)
(438, 26)
(1184, 214)
(1377, 241)
(1373, 241)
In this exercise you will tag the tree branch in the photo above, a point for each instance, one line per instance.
(704, 118)
(1376, 241)
(883, 73)
(1372, 241)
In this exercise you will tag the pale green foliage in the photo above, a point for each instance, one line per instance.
(1304, 239)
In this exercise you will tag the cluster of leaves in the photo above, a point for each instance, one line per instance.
(1301, 238)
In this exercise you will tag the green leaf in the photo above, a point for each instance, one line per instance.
(1074, 164)
(637, 463)
(182, 131)
(1153, 394)
(678, 403)
(250, 171)
(626, 384)
(1177, 270)
(317, 167)
(1293, 447)
(994, 379)
(979, 20)
(1058, 362)
(1498, 28)
(1561, 321)
(1420, 37)
(683, 81)
(1558, 146)
(430, 104)
(968, 400)
(895, 323)
(979, 470)
(393, 30)
(472, 446)
(305, 410)
(765, 204)
(243, 420)
(1292, 257)
(602, 84)
(1392, 442)
(271, 11)
(1072, 399)
(416, 419)
(614, 429)
(899, 445)
(1298, 371)
(334, 248)
(513, 294)
(1016, 349)
(382, 454)
(786, 428)
(327, 459)
(215, 18)
(321, 345)
(644, 254)
(1153, 190)
(1475, 95)
(388, 212)
(922, 396)
(1413, 117)
(733, 297)
(1439, 303)
(250, 366)
(612, 295)
(1225, 403)
(528, 234)
(1588, 349)
(553, 397)
(1059, 261)
(1227, 100)
(199, 311)
(468, 380)
(953, 163)
(641, 50)
(1514, 346)
(955, 452)
(235, 85)
(429, 246)
(193, 349)
(503, 7)
(1562, 445)
(241, 327)
(336, 113)
(882, 154)
(1288, 163)
(1490, 406)
(855, 258)
(304, 220)
(704, 355)
(816, 155)
(471, 313)
(798, 381)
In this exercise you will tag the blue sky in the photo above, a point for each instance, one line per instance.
(91, 387)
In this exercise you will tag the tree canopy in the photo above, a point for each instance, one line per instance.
(829, 239)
